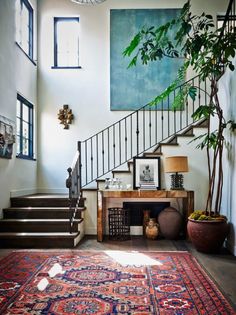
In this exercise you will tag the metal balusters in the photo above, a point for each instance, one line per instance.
(174, 116)
(86, 162)
(131, 136)
(181, 112)
(193, 101)
(137, 133)
(150, 128)
(97, 161)
(120, 146)
(103, 152)
(162, 119)
(144, 133)
(155, 123)
(126, 139)
(108, 148)
(114, 146)
(168, 109)
(91, 154)
(199, 91)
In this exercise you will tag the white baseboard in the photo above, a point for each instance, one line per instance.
(23, 192)
(90, 231)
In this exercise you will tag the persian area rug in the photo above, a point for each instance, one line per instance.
(110, 282)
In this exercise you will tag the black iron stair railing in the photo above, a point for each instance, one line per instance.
(131, 136)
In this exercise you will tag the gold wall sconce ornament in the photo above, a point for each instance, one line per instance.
(65, 116)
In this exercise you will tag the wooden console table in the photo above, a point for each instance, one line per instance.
(106, 197)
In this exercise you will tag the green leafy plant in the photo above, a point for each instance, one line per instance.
(208, 52)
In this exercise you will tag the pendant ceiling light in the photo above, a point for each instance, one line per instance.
(88, 1)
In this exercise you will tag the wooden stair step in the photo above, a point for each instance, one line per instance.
(38, 225)
(42, 201)
(39, 212)
(39, 240)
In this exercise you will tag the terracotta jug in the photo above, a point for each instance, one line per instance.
(146, 217)
(152, 229)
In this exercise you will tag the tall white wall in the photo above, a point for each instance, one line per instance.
(87, 90)
(17, 74)
(228, 207)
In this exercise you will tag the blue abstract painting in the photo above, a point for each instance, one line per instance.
(133, 88)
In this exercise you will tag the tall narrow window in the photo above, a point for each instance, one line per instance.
(66, 42)
(24, 26)
(24, 128)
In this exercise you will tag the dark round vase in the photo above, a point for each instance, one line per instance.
(170, 222)
(207, 236)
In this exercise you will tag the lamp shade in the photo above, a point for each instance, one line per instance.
(175, 164)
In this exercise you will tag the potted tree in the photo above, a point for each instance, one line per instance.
(208, 51)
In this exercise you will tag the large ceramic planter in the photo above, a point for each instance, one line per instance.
(207, 236)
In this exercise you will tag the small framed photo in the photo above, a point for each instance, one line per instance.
(147, 173)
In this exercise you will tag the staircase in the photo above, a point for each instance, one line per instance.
(41, 221)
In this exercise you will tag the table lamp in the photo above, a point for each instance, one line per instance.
(176, 165)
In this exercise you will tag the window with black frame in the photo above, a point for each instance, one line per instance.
(66, 42)
(24, 128)
(24, 26)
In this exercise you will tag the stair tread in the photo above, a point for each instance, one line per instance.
(44, 196)
(39, 220)
(41, 234)
(42, 208)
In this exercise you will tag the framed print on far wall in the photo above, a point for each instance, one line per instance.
(147, 172)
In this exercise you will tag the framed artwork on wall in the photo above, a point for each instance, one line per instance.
(7, 137)
(147, 174)
(133, 88)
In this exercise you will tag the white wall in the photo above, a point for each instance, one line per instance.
(227, 98)
(17, 74)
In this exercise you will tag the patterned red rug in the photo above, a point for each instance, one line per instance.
(89, 282)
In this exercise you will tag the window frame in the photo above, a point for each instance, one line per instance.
(30, 31)
(30, 135)
(55, 58)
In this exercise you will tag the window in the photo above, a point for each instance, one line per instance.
(24, 26)
(24, 128)
(66, 42)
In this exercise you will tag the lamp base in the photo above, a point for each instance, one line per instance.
(177, 181)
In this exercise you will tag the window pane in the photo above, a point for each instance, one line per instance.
(25, 130)
(25, 146)
(18, 19)
(24, 127)
(18, 145)
(25, 113)
(18, 108)
(24, 26)
(18, 126)
(67, 43)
